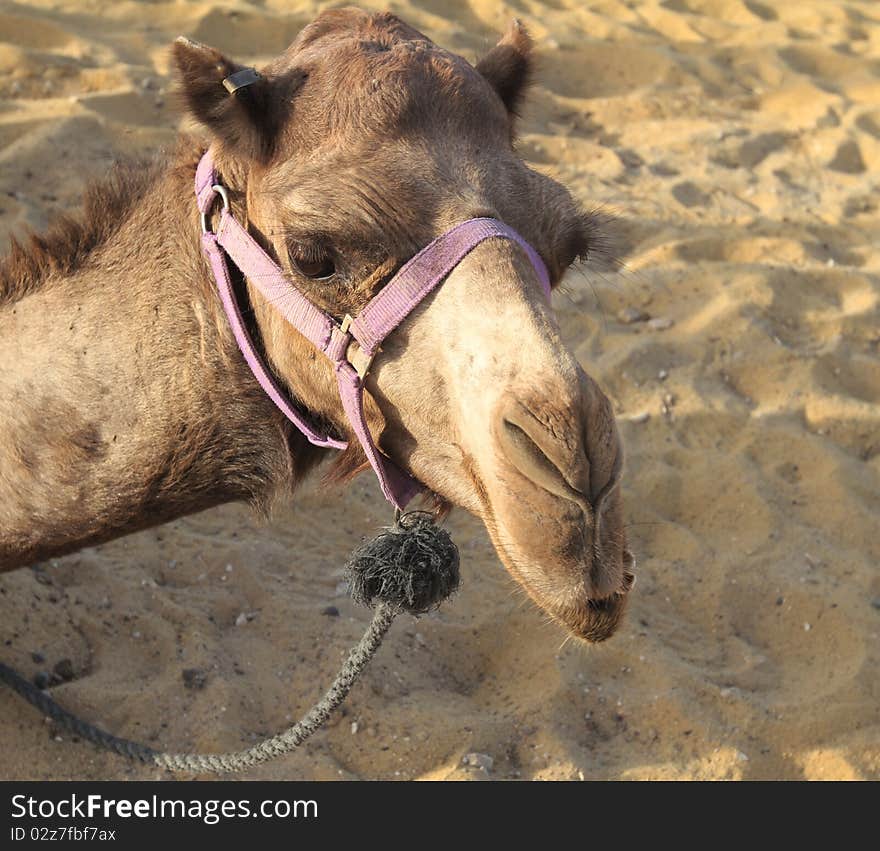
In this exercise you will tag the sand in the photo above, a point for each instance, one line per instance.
(740, 143)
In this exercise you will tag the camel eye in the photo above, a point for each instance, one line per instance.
(312, 262)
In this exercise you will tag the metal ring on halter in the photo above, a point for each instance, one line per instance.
(224, 197)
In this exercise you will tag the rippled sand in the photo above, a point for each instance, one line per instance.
(740, 141)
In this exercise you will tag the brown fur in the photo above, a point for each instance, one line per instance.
(509, 66)
(69, 241)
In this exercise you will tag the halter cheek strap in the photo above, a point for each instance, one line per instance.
(388, 308)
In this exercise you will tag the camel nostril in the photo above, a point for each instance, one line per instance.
(629, 579)
(627, 575)
(525, 453)
(610, 577)
(599, 493)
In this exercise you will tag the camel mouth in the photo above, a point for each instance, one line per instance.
(596, 619)
(565, 588)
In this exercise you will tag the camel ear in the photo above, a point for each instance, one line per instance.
(232, 101)
(508, 66)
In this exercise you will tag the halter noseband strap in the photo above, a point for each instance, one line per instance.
(388, 308)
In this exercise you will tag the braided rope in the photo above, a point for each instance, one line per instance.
(219, 763)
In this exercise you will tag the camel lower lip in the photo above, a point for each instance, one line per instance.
(597, 620)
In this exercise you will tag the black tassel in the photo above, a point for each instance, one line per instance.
(413, 565)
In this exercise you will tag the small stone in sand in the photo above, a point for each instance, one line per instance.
(631, 315)
(330, 611)
(38, 658)
(663, 375)
(354, 727)
(194, 678)
(660, 323)
(41, 680)
(643, 417)
(64, 670)
(478, 760)
(807, 627)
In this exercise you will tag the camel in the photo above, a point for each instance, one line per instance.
(127, 403)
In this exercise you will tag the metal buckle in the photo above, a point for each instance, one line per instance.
(366, 362)
(364, 368)
(240, 79)
(224, 197)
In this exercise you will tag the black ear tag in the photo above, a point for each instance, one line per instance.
(240, 79)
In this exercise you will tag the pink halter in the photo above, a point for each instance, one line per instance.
(386, 310)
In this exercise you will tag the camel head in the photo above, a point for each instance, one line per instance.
(354, 149)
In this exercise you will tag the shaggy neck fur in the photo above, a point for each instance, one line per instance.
(126, 401)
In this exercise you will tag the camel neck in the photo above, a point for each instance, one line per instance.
(126, 402)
